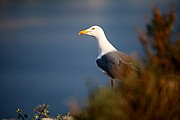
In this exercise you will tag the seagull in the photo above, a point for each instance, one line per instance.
(112, 62)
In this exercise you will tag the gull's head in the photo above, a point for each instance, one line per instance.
(95, 31)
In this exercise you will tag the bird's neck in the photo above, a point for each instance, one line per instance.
(104, 45)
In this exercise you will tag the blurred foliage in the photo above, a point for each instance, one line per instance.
(21, 115)
(159, 47)
(41, 111)
(156, 94)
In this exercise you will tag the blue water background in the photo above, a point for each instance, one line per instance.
(44, 60)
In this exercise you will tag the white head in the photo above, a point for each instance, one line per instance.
(95, 31)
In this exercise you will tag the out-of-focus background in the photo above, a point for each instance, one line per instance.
(44, 60)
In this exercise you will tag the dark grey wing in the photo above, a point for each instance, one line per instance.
(106, 63)
(126, 60)
(115, 64)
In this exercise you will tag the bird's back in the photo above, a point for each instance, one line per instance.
(116, 64)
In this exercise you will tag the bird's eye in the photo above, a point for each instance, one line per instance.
(92, 28)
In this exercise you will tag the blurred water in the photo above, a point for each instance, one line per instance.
(42, 58)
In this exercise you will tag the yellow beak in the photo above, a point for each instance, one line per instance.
(83, 32)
